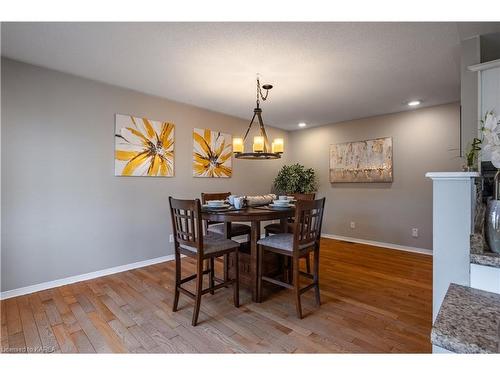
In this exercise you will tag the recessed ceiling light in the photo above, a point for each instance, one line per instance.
(414, 103)
(302, 124)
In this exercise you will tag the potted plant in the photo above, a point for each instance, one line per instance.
(295, 178)
(472, 155)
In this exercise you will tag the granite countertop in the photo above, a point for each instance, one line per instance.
(487, 258)
(468, 321)
(480, 255)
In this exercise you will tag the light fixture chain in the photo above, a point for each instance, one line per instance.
(259, 92)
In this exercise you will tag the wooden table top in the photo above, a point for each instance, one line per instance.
(248, 214)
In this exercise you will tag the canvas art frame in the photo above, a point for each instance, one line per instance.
(143, 147)
(362, 161)
(212, 153)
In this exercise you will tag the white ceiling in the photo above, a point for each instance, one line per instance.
(322, 72)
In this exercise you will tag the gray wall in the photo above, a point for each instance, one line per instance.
(385, 212)
(63, 211)
(490, 47)
(490, 99)
(475, 50)
(470, 55)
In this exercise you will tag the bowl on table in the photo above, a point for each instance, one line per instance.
(286, 197)
(281, 203)
(216, 203)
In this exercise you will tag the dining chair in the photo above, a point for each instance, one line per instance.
(218, 228)
(190, 241)
(237, 229)
(304, 240)
(304, 196)
(275, 228)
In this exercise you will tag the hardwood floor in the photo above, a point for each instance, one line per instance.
(374, 300)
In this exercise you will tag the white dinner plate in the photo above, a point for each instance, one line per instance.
(225, 205)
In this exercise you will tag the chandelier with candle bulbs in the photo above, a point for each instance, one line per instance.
(260, 147)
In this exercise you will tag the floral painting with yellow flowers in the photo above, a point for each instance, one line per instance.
(212, 153)
(143, 147)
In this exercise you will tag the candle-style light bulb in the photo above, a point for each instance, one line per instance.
(258, 144)
(238, 145)
(278, 145)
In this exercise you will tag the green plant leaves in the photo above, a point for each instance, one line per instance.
(295, 178)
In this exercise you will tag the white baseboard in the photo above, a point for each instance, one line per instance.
(83, 277)
(378, 244)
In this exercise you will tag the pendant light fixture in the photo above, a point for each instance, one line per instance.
(260, 147)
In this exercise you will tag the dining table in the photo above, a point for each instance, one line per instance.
(253, 215)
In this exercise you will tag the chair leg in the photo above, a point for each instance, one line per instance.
(260, 255)
(236, 282)
(316, 276)
(281, 266)
(289, 269)
(212, 274)
(296, 286)
(226, 268)
(199, 288)
(286, 269)
(177, 280)
(308, 264)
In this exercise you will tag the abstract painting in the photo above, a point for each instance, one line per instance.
(212, 151)
(365, 161)
(143, 147)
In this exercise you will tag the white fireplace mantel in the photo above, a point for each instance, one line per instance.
(452, 175)
(453, 207)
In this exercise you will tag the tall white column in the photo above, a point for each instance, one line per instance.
(453, 201)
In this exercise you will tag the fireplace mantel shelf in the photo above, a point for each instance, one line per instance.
(452, 175)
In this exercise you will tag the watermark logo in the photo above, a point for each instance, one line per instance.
(30, 349)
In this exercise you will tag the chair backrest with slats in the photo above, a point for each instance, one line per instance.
(187, 223)
(214, 197)
(308, 221)
(304, 196)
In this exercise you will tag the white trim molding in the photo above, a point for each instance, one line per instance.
(86, 276)
(378, 244)
(452, 175)
(484, 66)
